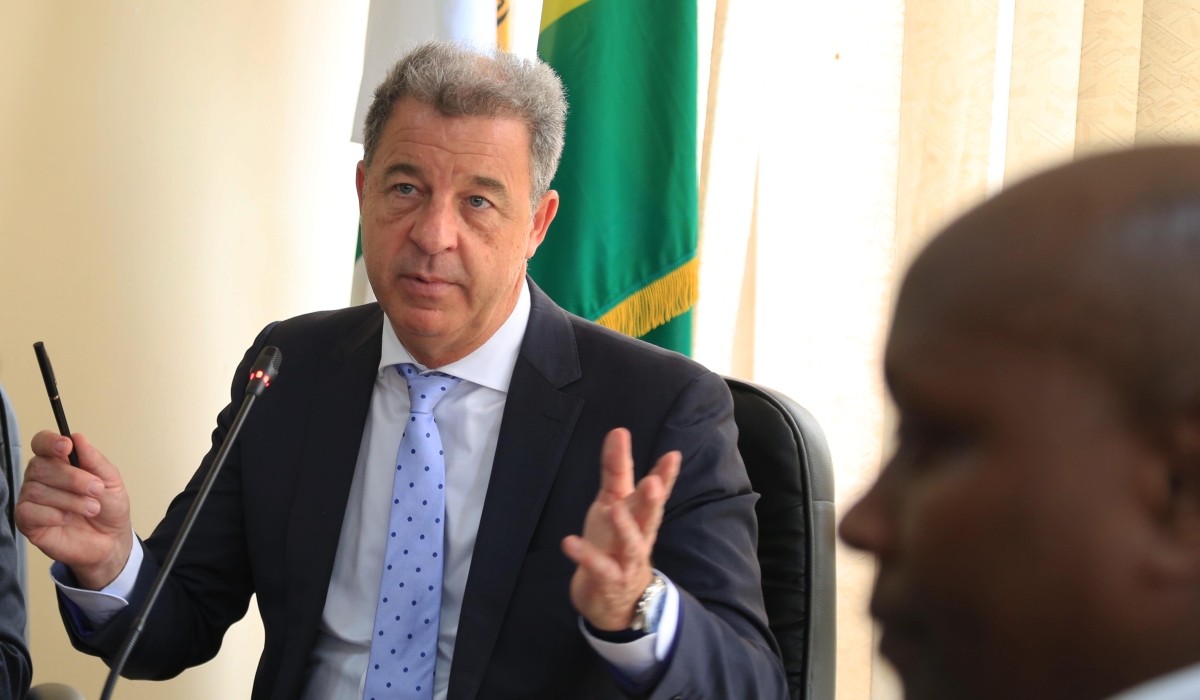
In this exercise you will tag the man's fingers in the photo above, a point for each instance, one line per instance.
(667, 469)
(587, 555)
(647, 501)
(51, 445)
(92, 461)
(48, 443)
(653, 491)
(628, 538)
(60, 475)
(31, 516)
(43, 495)
(616, 465)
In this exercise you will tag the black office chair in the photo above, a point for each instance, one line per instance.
(788, 461)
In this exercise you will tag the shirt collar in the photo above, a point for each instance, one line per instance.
(490, 365)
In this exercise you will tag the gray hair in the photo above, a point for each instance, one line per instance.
(460, 81)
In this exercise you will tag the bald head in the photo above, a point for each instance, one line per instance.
(1099, 259)
(1038, 528)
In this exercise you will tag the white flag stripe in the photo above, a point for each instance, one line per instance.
(395, 26)
(360, 287)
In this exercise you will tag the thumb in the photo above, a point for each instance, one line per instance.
(91, 460)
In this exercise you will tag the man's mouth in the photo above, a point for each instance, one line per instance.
(898, 645)
(903, 636)
(425, 285)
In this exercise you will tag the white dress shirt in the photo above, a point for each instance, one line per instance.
(468, 419)
(1183, 684)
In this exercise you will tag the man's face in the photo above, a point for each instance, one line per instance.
(447, 225)
(1008, 525)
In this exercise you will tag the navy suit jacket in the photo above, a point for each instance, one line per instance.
(272, 522)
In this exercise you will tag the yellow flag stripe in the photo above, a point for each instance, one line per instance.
(503, 25)
(656, 303)
(553, 9)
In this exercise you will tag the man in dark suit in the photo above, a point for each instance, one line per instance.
(417, 501)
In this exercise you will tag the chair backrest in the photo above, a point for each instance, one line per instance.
(11, 471)
(788, 461)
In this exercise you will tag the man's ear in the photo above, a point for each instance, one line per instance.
(360, 181)
(542, 216)
(1175, 499)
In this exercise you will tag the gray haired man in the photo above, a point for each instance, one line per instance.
(456, 492)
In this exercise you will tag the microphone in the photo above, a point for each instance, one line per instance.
(264, 370)
(261, 373)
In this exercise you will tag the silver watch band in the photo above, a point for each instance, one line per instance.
(649, 607)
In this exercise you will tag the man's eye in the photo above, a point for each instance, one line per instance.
(405, 188)
(478, 202)
(928, 442)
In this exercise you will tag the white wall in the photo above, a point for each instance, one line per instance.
(173, 176)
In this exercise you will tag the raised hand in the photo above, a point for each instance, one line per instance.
(77, 516)
(613, 555)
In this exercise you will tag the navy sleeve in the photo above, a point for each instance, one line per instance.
(708, 545)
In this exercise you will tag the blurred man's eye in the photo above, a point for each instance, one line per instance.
(928, 442)
(405, 188)
(478, 202)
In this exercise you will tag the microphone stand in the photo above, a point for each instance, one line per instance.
(265, 367)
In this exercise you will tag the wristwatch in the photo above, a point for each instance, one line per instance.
(649, 607)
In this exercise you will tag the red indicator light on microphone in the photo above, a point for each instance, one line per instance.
(263, 370)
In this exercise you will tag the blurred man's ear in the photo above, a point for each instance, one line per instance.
(1175, 501)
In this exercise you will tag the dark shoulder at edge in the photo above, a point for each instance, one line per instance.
(321, 332)
(620, 349)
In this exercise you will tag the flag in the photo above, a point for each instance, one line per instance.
(393, 28)
(622, 250)
(504, 25)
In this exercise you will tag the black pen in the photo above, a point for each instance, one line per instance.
(55, 403)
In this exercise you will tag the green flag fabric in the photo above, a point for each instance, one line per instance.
(622, 250)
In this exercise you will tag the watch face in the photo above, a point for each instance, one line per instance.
(649, 608)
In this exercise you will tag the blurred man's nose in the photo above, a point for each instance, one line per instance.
(437, 229)
(867, 526)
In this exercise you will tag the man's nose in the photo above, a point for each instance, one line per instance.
(867, 526)
(437, 230)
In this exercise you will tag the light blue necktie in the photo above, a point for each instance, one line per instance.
(405, 637)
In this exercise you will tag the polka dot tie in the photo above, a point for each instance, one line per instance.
(404, 640)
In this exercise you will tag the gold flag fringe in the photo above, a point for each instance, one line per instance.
(656, 303)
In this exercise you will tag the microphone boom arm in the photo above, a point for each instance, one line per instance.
(264, 369)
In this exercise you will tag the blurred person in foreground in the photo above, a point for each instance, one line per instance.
(1037, 531)
(454, 493)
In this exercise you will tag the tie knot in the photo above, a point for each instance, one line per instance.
(425, 390)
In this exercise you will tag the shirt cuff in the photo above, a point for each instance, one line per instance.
(101, 606)
(639, 660)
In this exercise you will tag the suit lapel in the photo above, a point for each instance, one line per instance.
(534, 432)
(337, 413)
